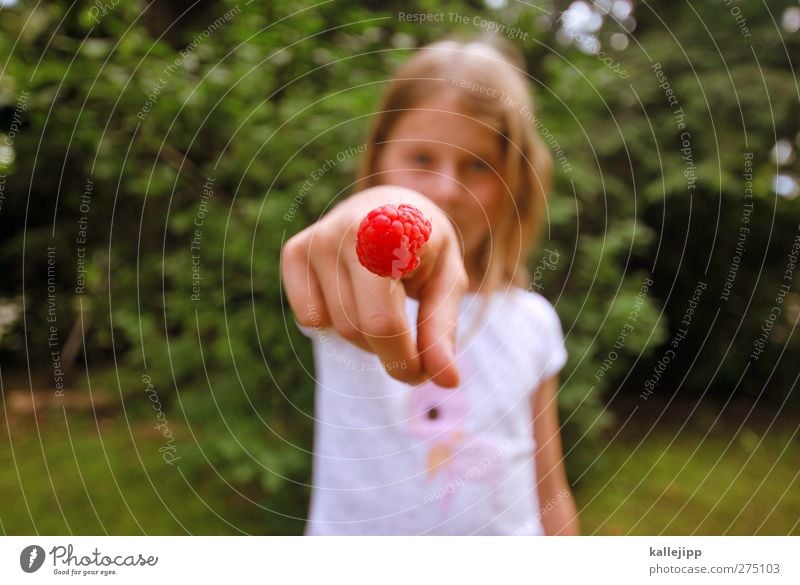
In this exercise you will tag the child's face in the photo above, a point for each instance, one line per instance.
(452, 159)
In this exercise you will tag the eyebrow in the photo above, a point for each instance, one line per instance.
(480, 153)
(484, 155)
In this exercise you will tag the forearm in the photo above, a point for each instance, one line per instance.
(558, 512)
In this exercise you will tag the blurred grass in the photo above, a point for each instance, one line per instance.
(76, 476)
(696, 474)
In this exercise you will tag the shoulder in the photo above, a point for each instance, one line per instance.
(536, 307)
(544, 330)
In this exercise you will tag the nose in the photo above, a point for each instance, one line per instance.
(447, 187)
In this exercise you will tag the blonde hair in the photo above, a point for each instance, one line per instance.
(435, 68)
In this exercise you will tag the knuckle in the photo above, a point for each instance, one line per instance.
(291, 249)
(312, 317)
(320, 238)
(405, 375)
(382, 325)
(305, 320)
(347, 330)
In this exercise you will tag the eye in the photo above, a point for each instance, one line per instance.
(420, 159)
(479, 165)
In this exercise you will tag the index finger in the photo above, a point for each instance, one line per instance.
(439, 304)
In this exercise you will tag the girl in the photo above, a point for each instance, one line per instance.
(449, 427)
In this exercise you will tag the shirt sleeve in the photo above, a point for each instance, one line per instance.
(553, 351)
(557, 356)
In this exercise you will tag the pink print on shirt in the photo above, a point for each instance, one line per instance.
(454, 458)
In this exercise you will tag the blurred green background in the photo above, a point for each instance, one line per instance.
(150, 158)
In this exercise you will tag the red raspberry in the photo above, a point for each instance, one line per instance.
(389, 239)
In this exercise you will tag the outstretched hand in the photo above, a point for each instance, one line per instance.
(327, 287)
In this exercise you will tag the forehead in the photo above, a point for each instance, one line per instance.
(444, 121)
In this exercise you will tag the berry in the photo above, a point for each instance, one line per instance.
(389, 239)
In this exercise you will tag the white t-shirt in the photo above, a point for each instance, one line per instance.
(394, 459)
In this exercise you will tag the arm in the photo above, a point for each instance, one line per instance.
(558, 513)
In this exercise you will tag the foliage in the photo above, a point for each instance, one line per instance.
(731, 73)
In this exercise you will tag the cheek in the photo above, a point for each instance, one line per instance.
(478, 217)
(485, 211)
(489, 196)
(387, 164)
